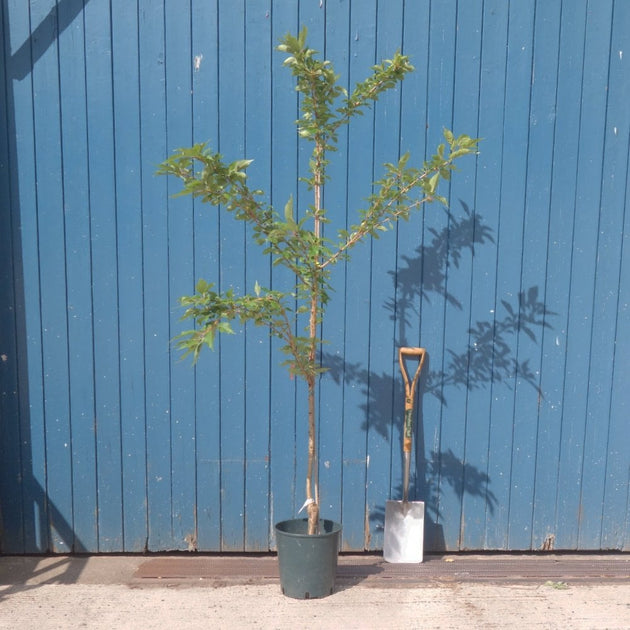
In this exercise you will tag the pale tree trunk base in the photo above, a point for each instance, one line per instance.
(313, 519)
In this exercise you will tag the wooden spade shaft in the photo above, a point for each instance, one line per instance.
(410, 392)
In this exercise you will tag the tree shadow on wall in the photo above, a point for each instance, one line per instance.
(488, 358)
(425, 274)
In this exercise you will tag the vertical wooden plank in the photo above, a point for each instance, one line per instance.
(533, 272)
(125, 64)
(558, 425)
(484, 313)
(335, 194)
(615, 524)
(206, 248)
(155, 270)
(485, 218)
(284, 484)
(50, 226)
(179, 69)
(383, 378)
(606, 287)
(104, 273)
(31, 405)
(312, 15)
(405, 304)
(469, 432)
(232, 347)
(440, 88)
(11, 504)
(576, 460)
(258, 51)
(357, 288)
(616, 512)
(531, 404)
(509, 243)
(485, 215)
(79, 278)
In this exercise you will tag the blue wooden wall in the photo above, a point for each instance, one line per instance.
(520, 291)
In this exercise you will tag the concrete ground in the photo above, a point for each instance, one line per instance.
(182, 592)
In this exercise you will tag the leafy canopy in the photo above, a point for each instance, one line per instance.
(297, 244)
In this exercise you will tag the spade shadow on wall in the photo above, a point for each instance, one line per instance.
(489, 357)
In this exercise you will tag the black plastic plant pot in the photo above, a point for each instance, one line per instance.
(308, 564)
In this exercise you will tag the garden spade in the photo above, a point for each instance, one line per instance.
(404, 520)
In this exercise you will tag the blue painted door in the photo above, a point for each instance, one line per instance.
(520, 290)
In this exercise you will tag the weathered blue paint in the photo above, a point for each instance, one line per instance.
(177, 20)
(285, 489)
(357, 290)
(332, 449)
(127, 134)
(520, 290)
(460, 282)
(155, 286)
(517, 460)
(615, 247)
(382, 361)
(258, 62)
(537, 271)
(205, 260)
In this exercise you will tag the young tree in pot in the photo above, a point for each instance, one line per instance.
(298, 244)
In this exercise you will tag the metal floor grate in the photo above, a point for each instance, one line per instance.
(458, 568)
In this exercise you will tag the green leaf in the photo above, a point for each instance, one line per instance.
(208, 338)
(433, 182)
(202, 286)
(459, 152)
(224, 327)
(288, 211)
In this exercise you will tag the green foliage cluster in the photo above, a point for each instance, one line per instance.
(298, 244)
